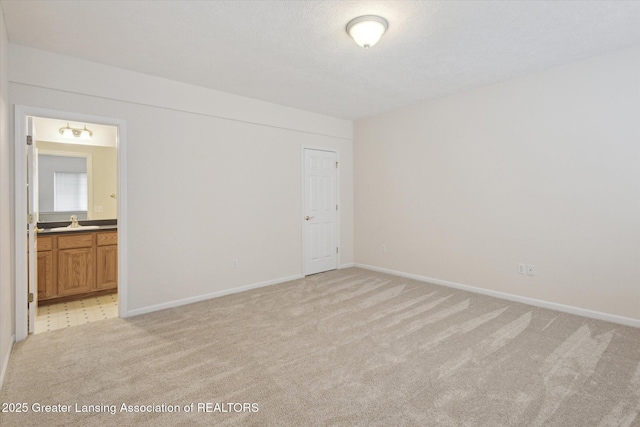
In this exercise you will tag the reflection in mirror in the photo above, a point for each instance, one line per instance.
(77, 180)
(62, 187)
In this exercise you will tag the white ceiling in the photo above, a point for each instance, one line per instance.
(297, 53)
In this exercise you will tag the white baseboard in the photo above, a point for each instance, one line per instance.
(5, 362)
(511, 297)
(204, 297)
(347, 265)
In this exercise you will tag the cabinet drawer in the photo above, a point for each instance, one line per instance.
(107, 238)
(75, 241)
(45, 243)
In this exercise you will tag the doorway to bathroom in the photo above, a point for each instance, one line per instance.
(70, 197)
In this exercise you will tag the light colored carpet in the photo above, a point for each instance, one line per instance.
(349, 347)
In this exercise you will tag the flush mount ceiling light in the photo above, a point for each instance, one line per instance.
(68, 131)
(367, 30)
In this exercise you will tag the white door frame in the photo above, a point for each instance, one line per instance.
(20, 176)
(302, 207)
(34, 212)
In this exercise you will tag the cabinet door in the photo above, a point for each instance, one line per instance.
(76, 273)
(107, 267)
(45, 275)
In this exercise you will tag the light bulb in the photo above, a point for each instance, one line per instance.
(67, 132)
(85, 133)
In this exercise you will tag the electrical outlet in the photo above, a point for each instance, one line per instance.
(384, 249)
(98, 208)
(522, 268)
(531, 270)
(235, 262)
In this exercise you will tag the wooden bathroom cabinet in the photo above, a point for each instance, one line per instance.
(77, 264)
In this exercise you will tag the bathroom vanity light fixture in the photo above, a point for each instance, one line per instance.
(68, 131)
(367, 30)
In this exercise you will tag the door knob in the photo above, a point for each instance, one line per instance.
(308, 217)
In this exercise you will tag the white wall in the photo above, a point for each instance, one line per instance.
(211, 176)
(6, 208)
(542, 170)
(84, 77)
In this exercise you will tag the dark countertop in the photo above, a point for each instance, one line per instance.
(103, 224)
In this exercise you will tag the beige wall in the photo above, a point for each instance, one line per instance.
(104, 171)
(6, 206)
(542, 170)
(203, 189)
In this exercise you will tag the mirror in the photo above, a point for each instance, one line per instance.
(76, 177)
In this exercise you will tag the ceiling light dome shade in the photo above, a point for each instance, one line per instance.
(367, 30)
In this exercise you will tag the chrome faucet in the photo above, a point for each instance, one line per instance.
(74, 222)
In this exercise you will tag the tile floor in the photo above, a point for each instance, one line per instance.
(72, 313)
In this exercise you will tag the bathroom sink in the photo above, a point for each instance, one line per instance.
(80, 228)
